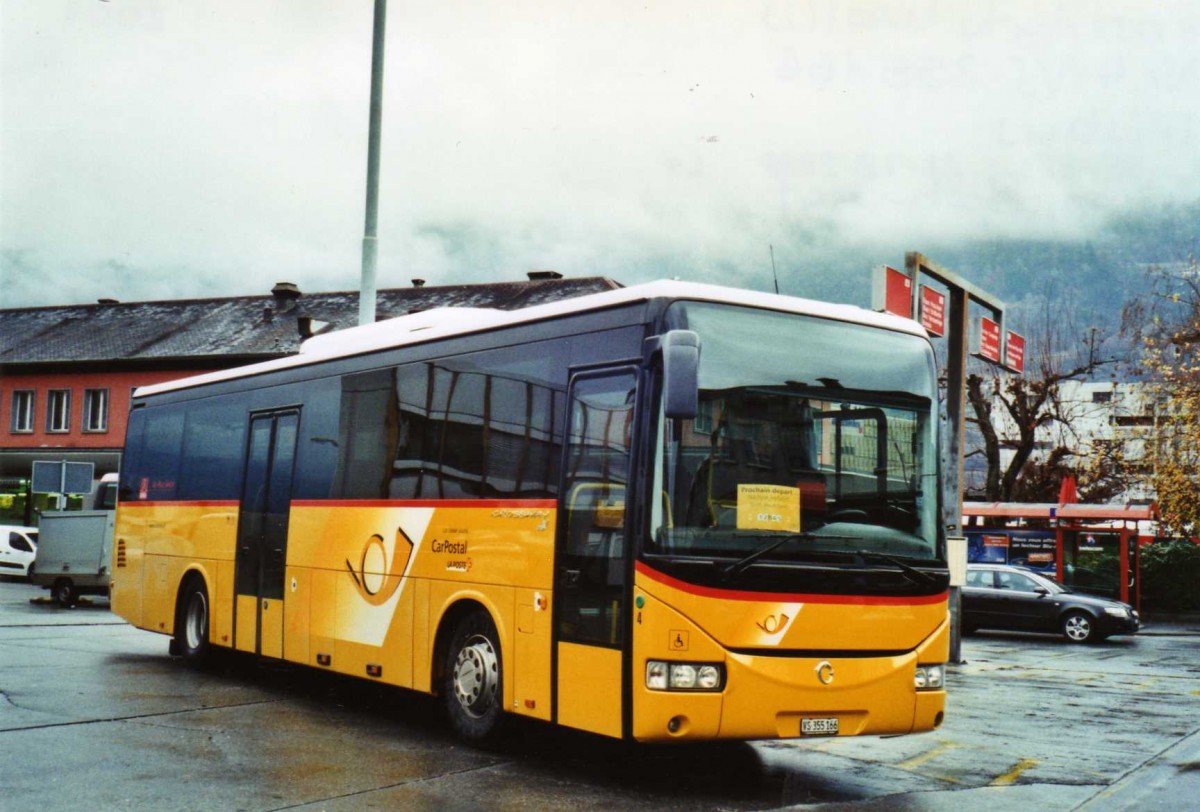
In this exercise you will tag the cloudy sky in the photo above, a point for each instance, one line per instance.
(155, 149)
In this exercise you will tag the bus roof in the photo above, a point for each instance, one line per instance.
(446, 322)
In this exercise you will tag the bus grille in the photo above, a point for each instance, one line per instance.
(121, 552)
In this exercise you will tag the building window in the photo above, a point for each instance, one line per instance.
(1102, 397)
(95, 410)
(22, 412)
(58, 410)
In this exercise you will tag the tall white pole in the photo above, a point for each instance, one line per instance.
(370, 244)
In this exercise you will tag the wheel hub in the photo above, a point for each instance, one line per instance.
(476, 676)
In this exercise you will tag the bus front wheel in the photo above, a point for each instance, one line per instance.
(191, 625)
(471, 687)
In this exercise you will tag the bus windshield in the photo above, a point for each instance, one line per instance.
(814, 442)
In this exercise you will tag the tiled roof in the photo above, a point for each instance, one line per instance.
(244, 326)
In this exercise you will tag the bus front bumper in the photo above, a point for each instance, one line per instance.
(781, 697)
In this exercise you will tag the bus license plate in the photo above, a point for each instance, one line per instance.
(819, 727)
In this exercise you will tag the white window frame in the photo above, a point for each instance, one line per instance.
(58, 411)
(24, 402)
(95, 411)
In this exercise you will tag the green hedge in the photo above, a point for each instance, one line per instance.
(1170, 573)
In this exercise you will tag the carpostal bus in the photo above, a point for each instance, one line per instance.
(665, 512)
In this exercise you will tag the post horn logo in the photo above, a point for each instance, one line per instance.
(377, 581)
(825, 672)
(772, 624)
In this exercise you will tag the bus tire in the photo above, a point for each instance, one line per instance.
(192, 622)
(64, 593)
(472, 691)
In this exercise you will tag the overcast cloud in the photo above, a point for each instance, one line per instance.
(213, 147)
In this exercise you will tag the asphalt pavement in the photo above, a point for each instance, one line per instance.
(95, 715)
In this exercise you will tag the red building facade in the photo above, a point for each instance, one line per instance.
(67, 373)
(76, 411)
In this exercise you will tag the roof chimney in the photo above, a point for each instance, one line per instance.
(542, 276)
(286, 294)
(418, 283)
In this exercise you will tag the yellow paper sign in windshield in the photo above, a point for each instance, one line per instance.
(768, 507)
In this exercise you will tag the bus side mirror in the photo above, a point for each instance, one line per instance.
(681, 367)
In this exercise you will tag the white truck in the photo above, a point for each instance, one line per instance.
(75, 548)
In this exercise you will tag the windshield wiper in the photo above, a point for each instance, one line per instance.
(774, 544)
(913, 574)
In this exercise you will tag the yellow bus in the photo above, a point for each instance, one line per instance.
(667, 512)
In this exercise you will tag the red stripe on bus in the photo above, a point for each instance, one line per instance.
(787, 597)
(547, 504)
(155, 503)
(428, 503)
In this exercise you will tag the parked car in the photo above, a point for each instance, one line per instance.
(18, 549)
(998, 596)
(1047, 568)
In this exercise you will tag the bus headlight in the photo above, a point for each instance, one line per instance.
(929, 677)
(670, 676)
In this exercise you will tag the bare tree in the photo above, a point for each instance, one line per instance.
(1012, 412)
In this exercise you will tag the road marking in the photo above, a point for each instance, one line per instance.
(931, 753)
(1012, 775)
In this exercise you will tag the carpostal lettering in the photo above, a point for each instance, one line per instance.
(451, 547)
(520, 513)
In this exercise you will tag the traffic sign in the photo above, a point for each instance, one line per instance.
(1014, 352)
(892, 291)
(989, 340)
(933, 310)
(62, 477)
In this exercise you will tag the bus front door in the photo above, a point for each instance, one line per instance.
(262, 533)
(590, 589)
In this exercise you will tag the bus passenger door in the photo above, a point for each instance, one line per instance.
(262, 533)
(590, 571)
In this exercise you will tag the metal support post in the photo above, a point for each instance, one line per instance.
(370, 246)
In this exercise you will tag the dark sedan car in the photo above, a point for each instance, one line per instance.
(997, 596)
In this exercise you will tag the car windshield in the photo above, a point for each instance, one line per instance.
(807, 428)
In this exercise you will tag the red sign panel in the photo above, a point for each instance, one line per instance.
(899, 293)
(989, 340)
(933, 310)
(1014, 352)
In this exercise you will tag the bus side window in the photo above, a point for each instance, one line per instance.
(131, 462)
(162, 448)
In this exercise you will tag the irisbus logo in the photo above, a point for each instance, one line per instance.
(824, 671)
(377, 578)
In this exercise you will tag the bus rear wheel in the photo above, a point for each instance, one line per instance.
(191, 625)
(471, 687)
